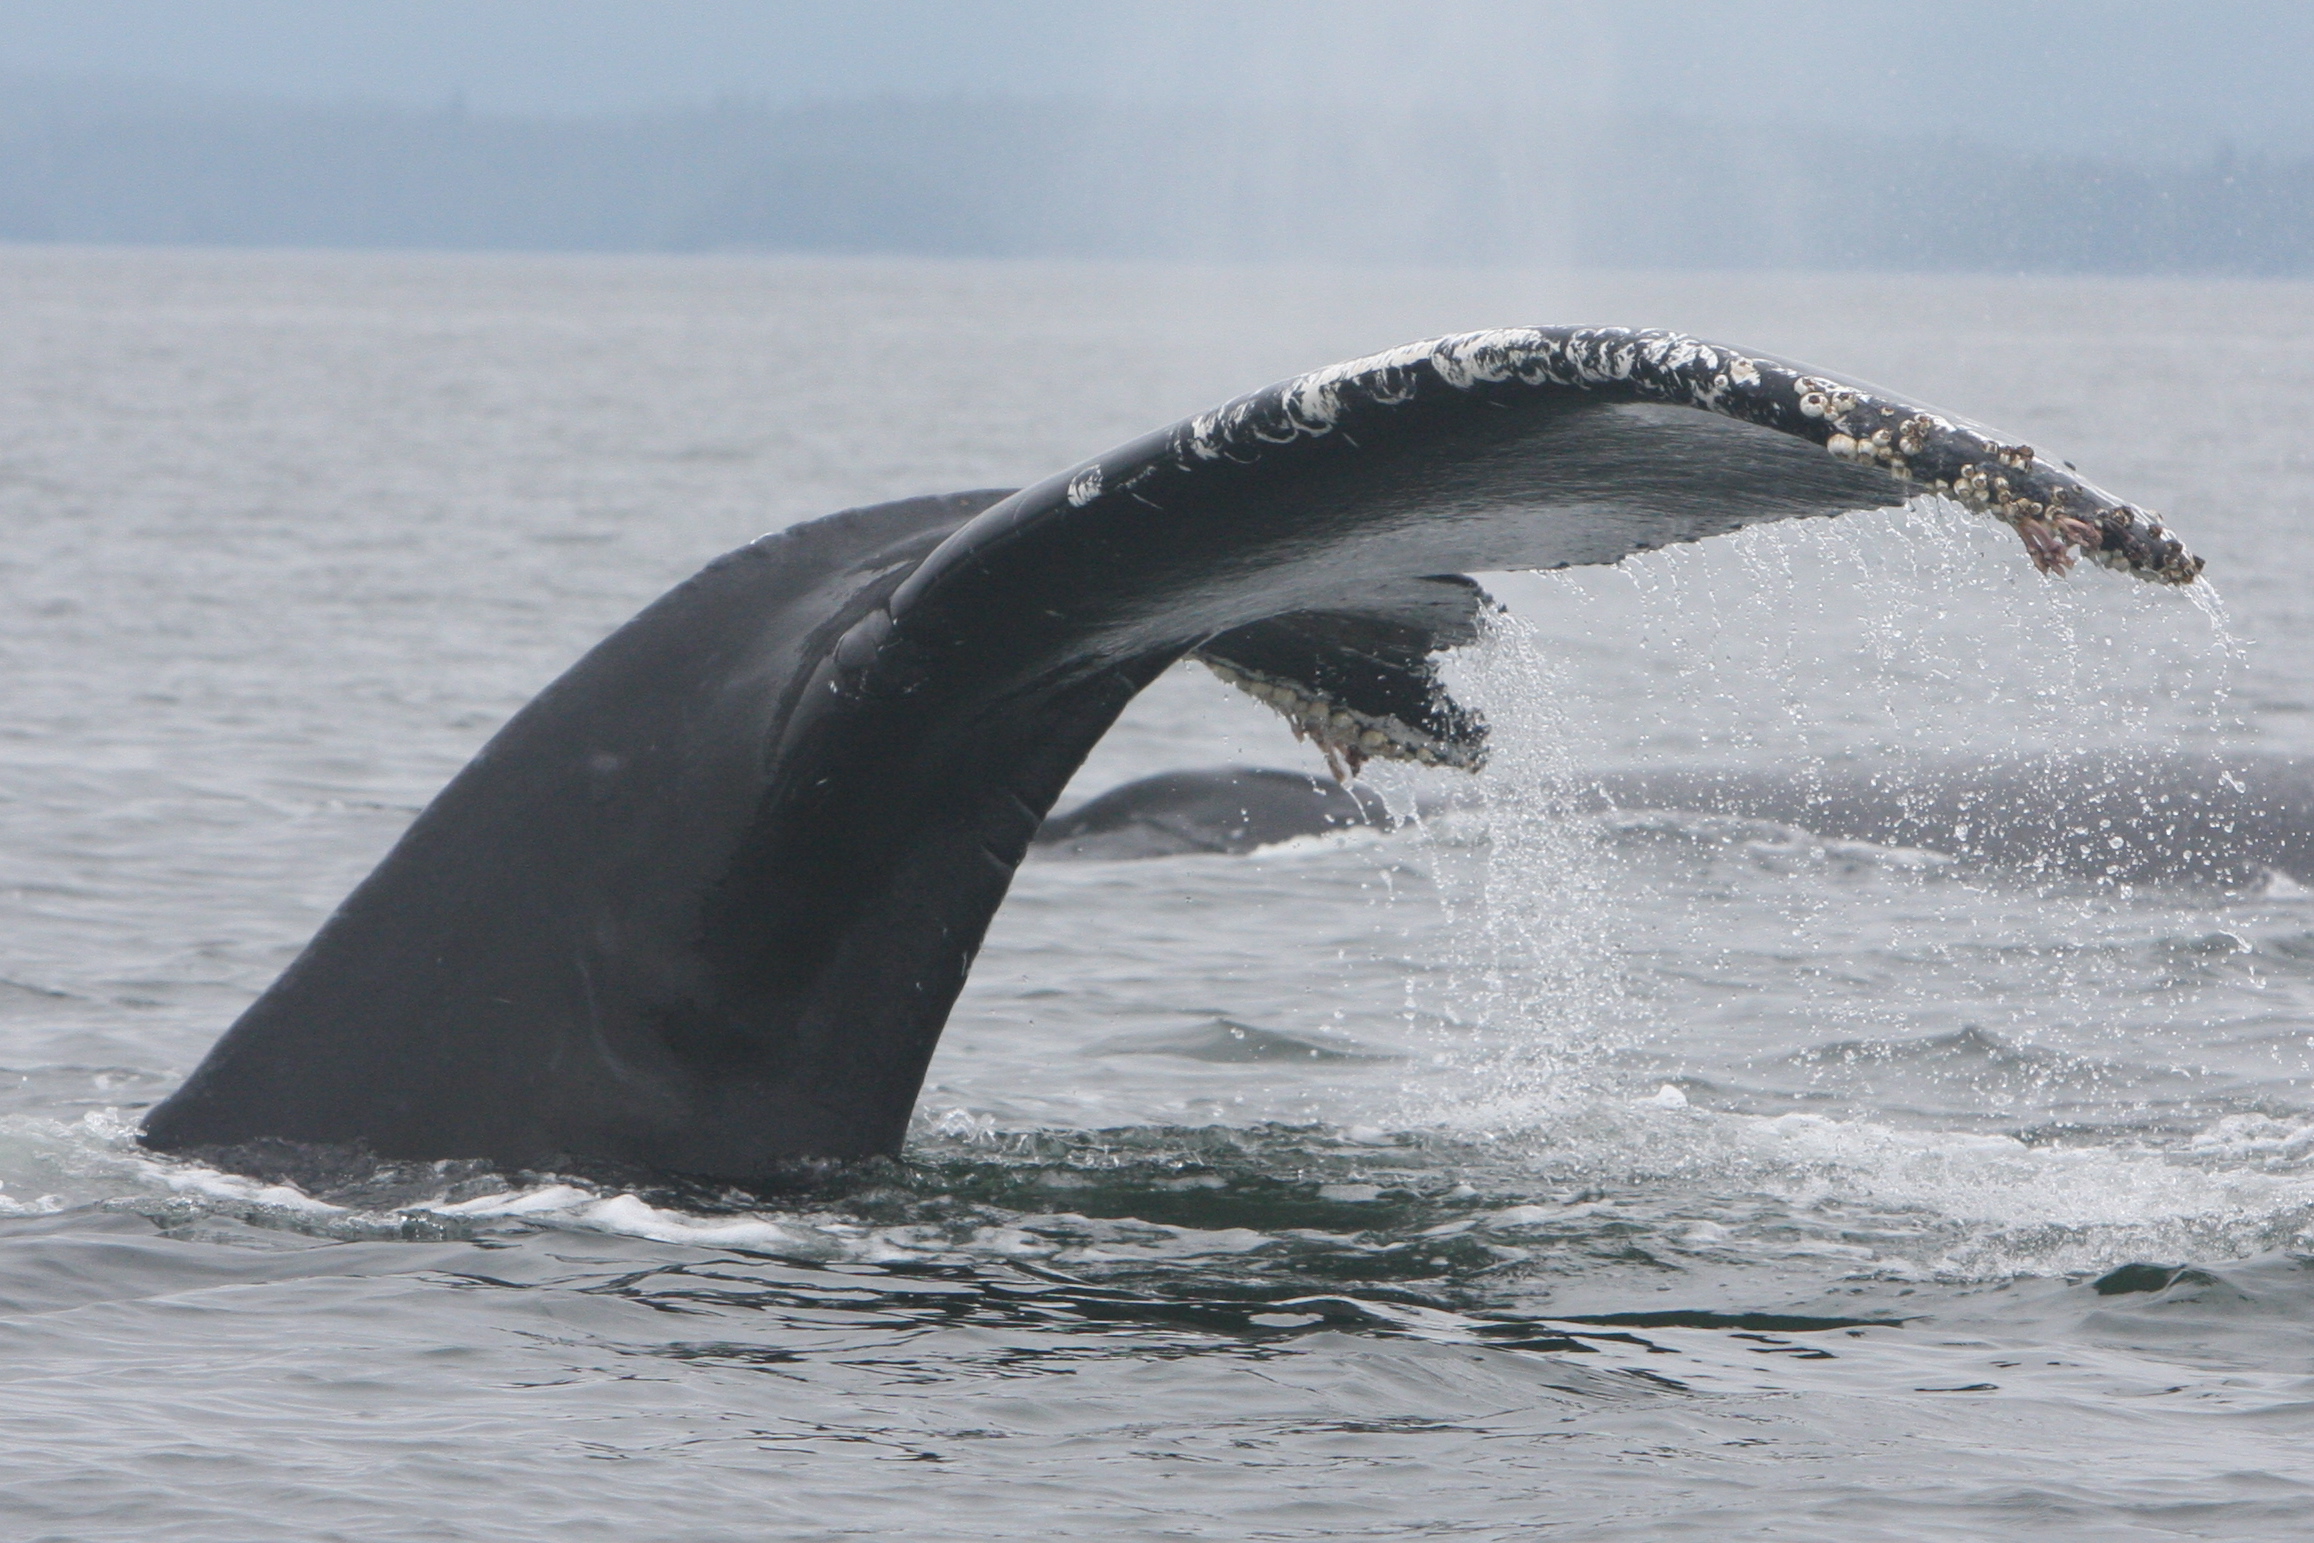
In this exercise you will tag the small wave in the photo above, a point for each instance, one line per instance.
(1945, 1204)
(1454, 1203)
(2258, 1139)
(1770, 843)
(1322, 844)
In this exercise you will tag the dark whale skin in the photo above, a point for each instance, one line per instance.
(704, 905)
(2226, 822)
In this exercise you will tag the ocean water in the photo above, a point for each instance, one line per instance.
(1527, 1172)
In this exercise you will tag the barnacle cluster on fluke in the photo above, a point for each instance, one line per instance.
(2051, 508)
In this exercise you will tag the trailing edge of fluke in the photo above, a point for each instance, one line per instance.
(703, 906)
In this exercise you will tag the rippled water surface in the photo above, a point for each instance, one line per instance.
(1527, 1172)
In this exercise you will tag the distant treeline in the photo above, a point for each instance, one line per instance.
(1362, 182)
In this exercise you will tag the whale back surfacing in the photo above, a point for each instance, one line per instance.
(2234, 822)
(2230, 822)
(1222, 809)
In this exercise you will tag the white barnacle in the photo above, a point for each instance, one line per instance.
(1085, 486)
(1842, 446)
(1821, 398)
(1205, 436)
(1470, 358)
(1313, 402)
(1669, 351)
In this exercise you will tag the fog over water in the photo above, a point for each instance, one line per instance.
(2071, 138)
(2135, 76)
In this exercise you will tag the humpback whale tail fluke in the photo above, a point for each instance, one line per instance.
(705, 903)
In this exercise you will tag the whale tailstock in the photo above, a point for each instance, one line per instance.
(703, 905)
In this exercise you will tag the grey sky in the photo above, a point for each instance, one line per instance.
(2140, 79)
